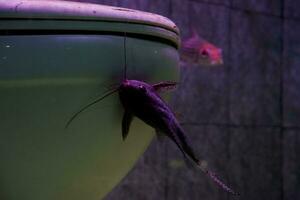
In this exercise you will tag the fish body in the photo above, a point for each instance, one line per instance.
(196, 50)
(142, 100)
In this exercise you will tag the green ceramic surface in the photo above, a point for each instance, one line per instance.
(45, 78)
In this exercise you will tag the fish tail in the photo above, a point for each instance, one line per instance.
(215, 178)
(186, 148)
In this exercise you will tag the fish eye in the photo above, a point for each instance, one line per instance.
(204, 52)
(142, 88)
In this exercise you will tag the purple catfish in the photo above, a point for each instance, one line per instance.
(141, 100)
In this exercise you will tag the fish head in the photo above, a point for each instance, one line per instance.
(134, 90)
(209, 54)
(134, 86)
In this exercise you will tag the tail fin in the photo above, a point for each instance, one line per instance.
(214, 177)
(200, 164)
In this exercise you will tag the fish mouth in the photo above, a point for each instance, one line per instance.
(126, 83)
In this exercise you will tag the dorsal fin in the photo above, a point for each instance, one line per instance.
(194, 33)
(164, 86)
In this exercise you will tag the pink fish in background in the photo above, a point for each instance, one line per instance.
(196, 50)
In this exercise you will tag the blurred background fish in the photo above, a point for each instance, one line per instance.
(196, 50)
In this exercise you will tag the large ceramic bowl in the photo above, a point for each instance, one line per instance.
(55, 57)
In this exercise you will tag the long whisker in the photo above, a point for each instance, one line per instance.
(90, 104)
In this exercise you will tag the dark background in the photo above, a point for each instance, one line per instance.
(242, 117)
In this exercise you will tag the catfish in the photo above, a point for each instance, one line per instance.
(141, 100)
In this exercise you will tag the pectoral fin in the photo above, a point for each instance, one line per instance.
(160, 135)
(164, 86)
(127, 119)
